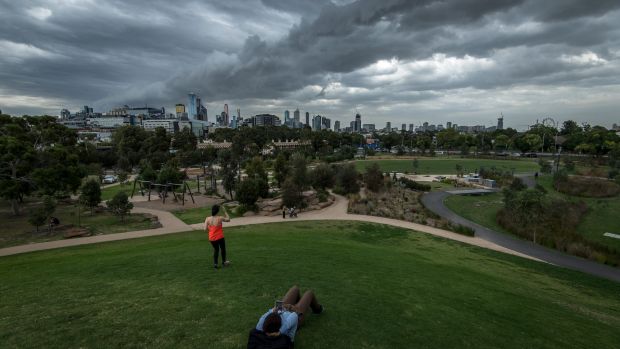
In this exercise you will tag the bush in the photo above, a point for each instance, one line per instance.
(322, 176)
(120, 205)
(373, 177)
(463, 230)
(91, 194)
(413, 185)
(586, 187)
(346, 180)
(291, 194)
(248, 192)
(545, 166)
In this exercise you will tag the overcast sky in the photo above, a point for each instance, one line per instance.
(402, 61)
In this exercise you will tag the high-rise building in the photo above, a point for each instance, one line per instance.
(64, 114)
(287, 116)
(337, 126)
(192, 106)
(226, 120)
(410, 127)
(296, 115)
(449, 124)
(266, 120)
(316, 123)
(388, 126)
(403, 127)
(238, 113)
(500, 122)
(307, 119)
(180, 110)
(368, 127)
(358, 123)
(326, 123)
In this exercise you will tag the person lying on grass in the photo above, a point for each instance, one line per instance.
(277, 327)
(213, 224)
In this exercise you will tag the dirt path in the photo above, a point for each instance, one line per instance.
(171, 224)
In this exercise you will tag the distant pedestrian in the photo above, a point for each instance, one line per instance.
(213, 224)
(283, 212)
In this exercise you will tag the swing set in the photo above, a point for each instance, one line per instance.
(163, 190)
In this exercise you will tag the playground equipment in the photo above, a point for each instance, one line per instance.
(163, 190)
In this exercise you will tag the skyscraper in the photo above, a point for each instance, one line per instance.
(226, 120)
(307, 119)
(296, 115)
(358, 123)
(500, 122)
(449, 124)
(403, 127)
(388, 126)
(316, 123)
(238, 113)
(191, 106)
(337, 126)
(410, 127)
(287, 116)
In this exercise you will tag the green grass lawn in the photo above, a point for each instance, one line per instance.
(481, 209)
(382, 287)
(109, 192)
(602, 216)
(198, 214)
(448, 166)
(17, 230)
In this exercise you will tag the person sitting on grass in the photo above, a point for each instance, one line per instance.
(213, 224)
(277, 327)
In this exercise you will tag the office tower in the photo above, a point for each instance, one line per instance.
(238, 113)
(500, 122)
(410, 127)
(388, 126)
(316, 123)
(449, 124)
(226, 120)
(307, 119)
(337, 126)
(358, 123)
(179, 109)
(198, 106)
(326, 123)
(403, 127)
(191, 106)
(296, 115)
(64, 114)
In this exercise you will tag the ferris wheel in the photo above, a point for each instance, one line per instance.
(549, 122)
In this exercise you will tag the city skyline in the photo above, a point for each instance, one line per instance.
(525, 59)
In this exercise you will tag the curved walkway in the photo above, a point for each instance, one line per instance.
(337, 211)
(434, 201)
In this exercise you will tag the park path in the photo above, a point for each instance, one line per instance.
(336, 211)
(434, 201)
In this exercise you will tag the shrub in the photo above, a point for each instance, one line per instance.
(373, 177)
(463, 230)
(322, 176)
(413, 185)
(586, 187)
(248, 192)
(120, 205)
(346, 180)
(291, 194)
(91, 194)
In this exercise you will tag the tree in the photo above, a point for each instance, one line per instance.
(255, 170)
(299, 170)
(170, 173)
(346, 180)
(281, 169)
(533, 141)
(291, 194)
(120, 205)
(374, 177)
(91, 194)
(416, 165)
(322, 176)
(122, 177)
(248, 192)
(37, 217)
(228, 167)
(148, 174)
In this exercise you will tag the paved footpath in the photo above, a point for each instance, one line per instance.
(336, 211)
(434, 201)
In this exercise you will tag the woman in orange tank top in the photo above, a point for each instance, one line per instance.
(213, 225)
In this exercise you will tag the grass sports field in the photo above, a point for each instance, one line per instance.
(448, 166)
(382, 287)
(199, 214)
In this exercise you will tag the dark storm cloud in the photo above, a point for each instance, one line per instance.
(303, 52)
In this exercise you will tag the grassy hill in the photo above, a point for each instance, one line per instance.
(382, 287)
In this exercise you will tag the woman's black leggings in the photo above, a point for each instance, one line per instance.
(217, 246)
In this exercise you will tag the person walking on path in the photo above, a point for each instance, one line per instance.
(213, 224)
(283, 212)
(277, 327)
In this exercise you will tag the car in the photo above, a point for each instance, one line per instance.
(109, 179)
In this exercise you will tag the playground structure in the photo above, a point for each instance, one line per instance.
(163, 190)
